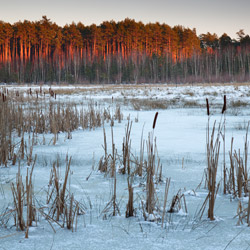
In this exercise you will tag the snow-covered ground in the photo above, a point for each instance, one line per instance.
(181, 141)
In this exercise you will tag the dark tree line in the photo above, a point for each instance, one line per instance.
(117, 52)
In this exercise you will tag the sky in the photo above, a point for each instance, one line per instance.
(214, 16)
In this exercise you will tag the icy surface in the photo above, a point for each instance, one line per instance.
(181, 137)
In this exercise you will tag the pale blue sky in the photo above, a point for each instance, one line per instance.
(205, 15)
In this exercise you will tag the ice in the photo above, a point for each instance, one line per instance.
(180, 135)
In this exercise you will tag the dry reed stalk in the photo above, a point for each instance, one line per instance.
(18, 198)
(224, 146)
(165, 199)
(70, 213)
(178, 201)
(103, 162)
(130, 205)
(114, 196)
(232, 170)
(140, 167)
(126, 149)
(248, 207)
(239, 171)
(213, 148)
(113, 156)
(245, 160)
(158, 171)
(31, 211)
(150, 202)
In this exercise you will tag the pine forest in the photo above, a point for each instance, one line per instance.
(119, 52)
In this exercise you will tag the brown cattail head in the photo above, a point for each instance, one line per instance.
(156, 115)
(207, 107)
(224, 105)
(3, 97)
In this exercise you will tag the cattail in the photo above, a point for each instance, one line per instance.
(156, 115)
(3, 97)
(207, 107)
(225, 105)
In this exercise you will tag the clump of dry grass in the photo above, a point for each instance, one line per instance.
(213, 149)
(238, 104)
(238, 174)
(23, 195)
(243, 213)
(189, 93)
(190, 103)
(107, 163)
(165, 199)
(178, 202)
(149, 104)
(130, 205)
(63, 206)
(126, 146)
(150, 167)
(36, 116)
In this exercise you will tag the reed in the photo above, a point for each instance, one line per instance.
(23, 196)
(31, 210)
(165, 200)
(213, 149)
(178, 203)
(238, 176)
(62, 204)
(18, 200)
(130, 205)
(141, 159)
(38, 115)
(126, 146)
(224, 145)
(150, 168)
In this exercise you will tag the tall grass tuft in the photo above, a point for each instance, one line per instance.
(213, 149)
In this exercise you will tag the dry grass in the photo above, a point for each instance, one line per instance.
(23, 196)
(126, 146)
(190, 103)
(238, 174)
(149, 104)
(239, 103)
(213, 149)
(40, 116)
(178, 202)
(130, 205)
(61, 202)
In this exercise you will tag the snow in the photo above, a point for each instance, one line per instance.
(181, 137)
